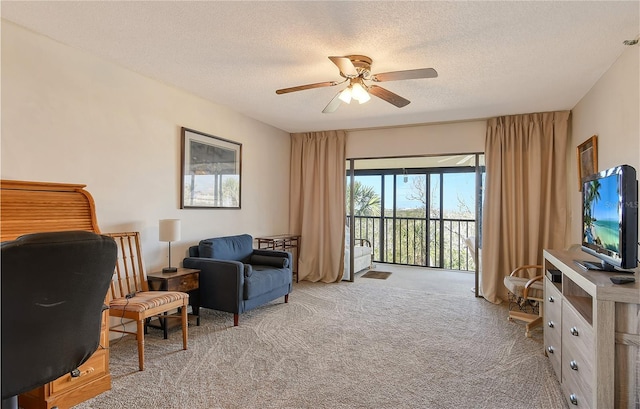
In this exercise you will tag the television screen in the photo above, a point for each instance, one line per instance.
(610, 218)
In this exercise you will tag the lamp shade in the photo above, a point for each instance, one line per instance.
(345, 95)
(169, 230)
(358, 92)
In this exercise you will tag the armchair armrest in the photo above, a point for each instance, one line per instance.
(221, 282)
(516, 273)
(525, 292)
(521, 268)
(363, 242)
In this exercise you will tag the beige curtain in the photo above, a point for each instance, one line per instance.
(525, 198)
(317, 203)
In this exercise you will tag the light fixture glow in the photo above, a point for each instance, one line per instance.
(345, 96)
(359, 93)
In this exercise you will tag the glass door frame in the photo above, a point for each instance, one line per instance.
(478, 168)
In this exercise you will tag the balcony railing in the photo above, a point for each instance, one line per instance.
(418, 241)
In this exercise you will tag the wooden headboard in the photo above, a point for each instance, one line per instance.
(32, 207)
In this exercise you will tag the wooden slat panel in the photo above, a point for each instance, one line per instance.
(129, 275)
(31, 207)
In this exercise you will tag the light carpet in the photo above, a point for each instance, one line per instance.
(417, 340)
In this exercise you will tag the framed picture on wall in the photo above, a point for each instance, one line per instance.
(587, 159)
(211, 176)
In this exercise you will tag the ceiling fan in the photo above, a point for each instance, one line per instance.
(357, 70)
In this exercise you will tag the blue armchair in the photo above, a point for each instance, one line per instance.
(235, 277)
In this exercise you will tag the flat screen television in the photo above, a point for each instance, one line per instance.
(610, 219)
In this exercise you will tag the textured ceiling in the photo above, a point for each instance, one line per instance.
(493, 58)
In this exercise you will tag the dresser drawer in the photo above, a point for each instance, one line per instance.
(184, 283)
(552, 326)
(552, 308)
(553, 348)
(95, 367)
(577, 394)
(552, 299)
(576, 332)
(183, 280)
(577, 357)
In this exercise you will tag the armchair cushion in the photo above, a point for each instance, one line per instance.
(264, 279)
(237, 248)
(280, 262)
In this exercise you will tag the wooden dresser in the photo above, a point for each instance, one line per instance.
(31, 207)
(592, 334)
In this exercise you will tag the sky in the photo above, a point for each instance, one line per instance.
(455, 185)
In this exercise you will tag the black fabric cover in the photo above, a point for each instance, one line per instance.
(280, 262)
(53, 291)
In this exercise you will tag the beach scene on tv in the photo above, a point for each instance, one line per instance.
(601, 216)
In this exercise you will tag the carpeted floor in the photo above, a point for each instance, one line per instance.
(419, 339)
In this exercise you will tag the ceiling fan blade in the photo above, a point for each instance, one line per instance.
(388, 96)
(345, 65)
(308, 86)
(333, 104)
(405, 75)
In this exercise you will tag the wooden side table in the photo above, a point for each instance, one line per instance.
(284, 242)
(185, 280)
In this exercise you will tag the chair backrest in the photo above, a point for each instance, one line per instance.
(470, 243)
(129, 275)
(238, 248)
(53, 290)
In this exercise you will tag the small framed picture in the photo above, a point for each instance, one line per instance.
(587, 159)
(210, 171)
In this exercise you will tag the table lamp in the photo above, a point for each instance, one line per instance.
(169, 231)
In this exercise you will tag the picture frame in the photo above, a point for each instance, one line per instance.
(211, 176)
(587, 159)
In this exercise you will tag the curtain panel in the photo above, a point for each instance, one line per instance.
(317, 203)
(525, 208)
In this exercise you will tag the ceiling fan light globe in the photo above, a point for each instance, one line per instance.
(364, 98)
(358, 91)
(345, 96)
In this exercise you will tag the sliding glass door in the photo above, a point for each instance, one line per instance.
(419, 214)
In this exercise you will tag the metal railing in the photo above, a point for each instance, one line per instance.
(417, 241)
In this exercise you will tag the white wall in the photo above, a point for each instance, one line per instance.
(455, 137)
(611, 110)
(70, 117)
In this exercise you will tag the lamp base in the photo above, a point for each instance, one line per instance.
(169, 269)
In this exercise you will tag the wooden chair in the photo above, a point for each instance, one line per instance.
(526, 293)
(131, 298)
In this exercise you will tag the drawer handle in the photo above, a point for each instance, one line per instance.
(551, 299)
(550, 324)
(76, 373)
(573, 365)
(550, 349)
(574, 331)
(573, 399)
